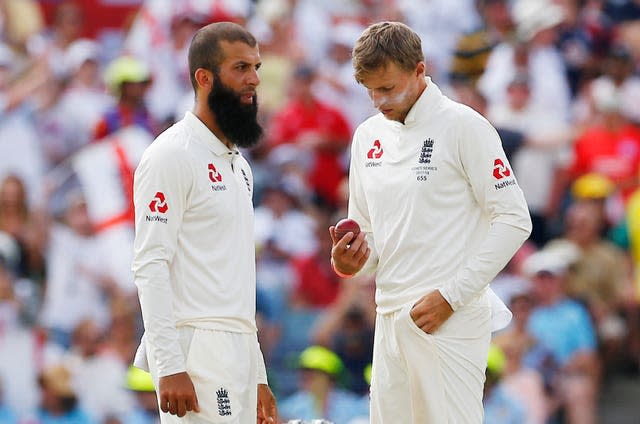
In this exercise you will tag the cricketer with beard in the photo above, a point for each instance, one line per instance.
(194, 258)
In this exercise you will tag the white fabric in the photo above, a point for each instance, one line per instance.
(216, 361)
(431, 220)
(422, 378)
(194, 261)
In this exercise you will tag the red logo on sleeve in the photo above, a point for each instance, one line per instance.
(214, 175)
(500, 170)
(376, 152)
(158, 204)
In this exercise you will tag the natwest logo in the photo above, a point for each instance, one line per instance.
(376, 152)
(214, 175)
(158, 204)
(500, 170)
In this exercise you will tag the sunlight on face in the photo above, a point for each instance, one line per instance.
(394, 90)
(239, 69)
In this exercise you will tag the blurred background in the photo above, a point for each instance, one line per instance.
(85, 86)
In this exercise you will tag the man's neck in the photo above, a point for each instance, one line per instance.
(209, 120)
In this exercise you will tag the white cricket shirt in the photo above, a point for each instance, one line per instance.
(194, 255)
(438, 201)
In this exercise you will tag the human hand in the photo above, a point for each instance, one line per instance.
(177, 394)
(430, 312)
(267, 410)
(348, 253)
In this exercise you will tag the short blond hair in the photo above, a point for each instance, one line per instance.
(383, 43)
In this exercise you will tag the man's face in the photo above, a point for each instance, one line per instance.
(239, 70)
(394, 90)
(233, 98)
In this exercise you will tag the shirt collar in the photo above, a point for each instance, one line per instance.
(425, 102)
(206, 136)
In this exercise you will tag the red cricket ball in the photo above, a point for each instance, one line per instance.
(345, 226)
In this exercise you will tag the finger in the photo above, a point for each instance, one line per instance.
(173, 406)
(342, 243)
(332, 233)
(348, 238)
(164, 403)
(188, 404)
(364, 257)
(181, 408)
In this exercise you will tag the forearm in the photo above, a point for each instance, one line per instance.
(161, 334)
(501, 243)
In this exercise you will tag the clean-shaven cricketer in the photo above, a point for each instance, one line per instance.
(194, 258)
(441, 213)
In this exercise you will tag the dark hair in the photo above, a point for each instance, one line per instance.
(205, 51)
(383, 43)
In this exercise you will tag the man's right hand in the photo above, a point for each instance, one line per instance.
(177, 394)
(349, 256)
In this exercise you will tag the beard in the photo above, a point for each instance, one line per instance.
(237, 121)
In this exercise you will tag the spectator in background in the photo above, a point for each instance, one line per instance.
(27, 158)
(59, 401)
(318, 397)
(619, 68)
(533, 354)
(84, 100)
(280, 50)
(77, 286)
(565, 328)
(283, 230)
(583, 41)
(319, 131)
(524, 384)
(500, 407)
(600, 274)
(610, 146)
(127, 79)
(90, 360)
(335, 84)
(473, 48)
(50, 46)
(25, 226)
(534, 53)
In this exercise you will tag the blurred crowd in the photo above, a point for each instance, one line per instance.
(559, 79)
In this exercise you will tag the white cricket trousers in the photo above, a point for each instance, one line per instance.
(420, 378)
(223, 368)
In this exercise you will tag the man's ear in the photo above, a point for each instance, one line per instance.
(204, 78)
(421, 69)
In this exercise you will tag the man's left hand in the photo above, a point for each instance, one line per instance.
(430, 312)
(267, 410)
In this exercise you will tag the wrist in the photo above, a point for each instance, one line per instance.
(338, 272)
